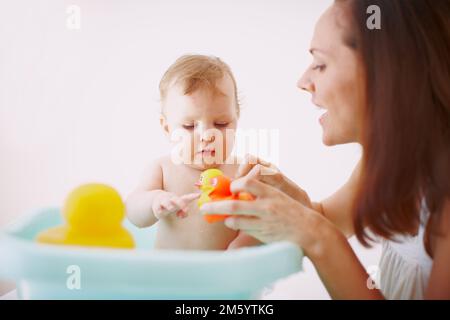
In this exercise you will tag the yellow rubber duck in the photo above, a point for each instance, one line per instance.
(94, 214)
(207, 185)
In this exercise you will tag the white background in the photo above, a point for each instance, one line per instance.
(79, 106)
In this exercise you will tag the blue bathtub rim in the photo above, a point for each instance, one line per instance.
(9, 239)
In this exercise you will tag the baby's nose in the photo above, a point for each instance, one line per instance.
(207, 133)
(208, 136)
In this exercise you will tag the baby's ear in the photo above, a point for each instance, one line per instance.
(163, 123)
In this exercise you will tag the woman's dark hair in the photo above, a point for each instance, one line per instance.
(406, 130)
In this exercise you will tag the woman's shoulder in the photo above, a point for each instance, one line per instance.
(433, 232)
(439, 229)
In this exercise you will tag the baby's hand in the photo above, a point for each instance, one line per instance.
(168, 203)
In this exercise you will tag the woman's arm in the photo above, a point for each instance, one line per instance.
(339, 269)
(274, 216)
(439, 282)
(338, 207)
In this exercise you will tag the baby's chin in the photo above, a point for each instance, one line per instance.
(206, 163)
(203, 166)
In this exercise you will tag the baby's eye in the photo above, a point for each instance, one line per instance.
(188, 126)
(222, 124)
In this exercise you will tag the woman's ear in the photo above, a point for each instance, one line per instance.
(163, 123)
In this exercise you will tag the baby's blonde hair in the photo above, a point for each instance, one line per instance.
(193, 72)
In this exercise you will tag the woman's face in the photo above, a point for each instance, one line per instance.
(335, 79)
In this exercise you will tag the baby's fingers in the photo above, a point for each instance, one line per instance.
(181, 207)
(187, 198)
(157, 211)
(183, 201)
(169, 205)
(181, 214)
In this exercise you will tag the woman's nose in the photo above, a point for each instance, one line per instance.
(305, 83)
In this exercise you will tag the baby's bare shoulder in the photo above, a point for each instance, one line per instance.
(154, 166)
(152, 175)
(167, 164)
(164, 160)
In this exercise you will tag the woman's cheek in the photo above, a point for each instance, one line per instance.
(342, 124)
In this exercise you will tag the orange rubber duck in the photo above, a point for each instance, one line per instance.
(215, 186)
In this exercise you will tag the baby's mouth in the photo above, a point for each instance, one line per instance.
(207, 152)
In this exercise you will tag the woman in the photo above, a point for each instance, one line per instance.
(389, 90)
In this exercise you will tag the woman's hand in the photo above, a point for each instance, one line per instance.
(274, 216)
(256, 168)
(285, 216)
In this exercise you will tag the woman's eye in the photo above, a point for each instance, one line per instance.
(320, 67)
(188, 126)
(222, 125)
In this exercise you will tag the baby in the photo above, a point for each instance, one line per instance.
(199, 102)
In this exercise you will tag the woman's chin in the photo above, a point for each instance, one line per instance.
(327, 140)
(330, 140)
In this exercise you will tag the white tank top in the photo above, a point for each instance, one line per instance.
(405, 266)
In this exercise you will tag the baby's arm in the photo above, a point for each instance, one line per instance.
(148, 202)
(243, 240)
(139, 202)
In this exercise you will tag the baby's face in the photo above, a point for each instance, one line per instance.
(206, 121)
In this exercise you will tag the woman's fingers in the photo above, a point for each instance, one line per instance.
(246, 224)
(245, 167)
(249, 162)
(269, 175)
(279, 181)
(253, 186)
(232, 207)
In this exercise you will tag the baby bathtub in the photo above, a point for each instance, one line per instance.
(42, 271)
